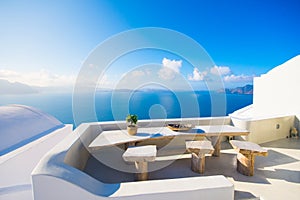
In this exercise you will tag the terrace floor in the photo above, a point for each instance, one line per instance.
(276, 176)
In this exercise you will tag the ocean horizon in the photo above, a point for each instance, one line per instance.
(151, 104)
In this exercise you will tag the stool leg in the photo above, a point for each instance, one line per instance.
(142, 169)
(198, 163)
(245, 164)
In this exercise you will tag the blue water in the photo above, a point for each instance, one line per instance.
(146, 104)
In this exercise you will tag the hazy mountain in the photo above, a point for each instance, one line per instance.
(247, 89)
(7, 87)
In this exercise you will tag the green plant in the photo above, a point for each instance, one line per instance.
(132, 119)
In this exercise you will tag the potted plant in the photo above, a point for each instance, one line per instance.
(294, 132)
(132, 124)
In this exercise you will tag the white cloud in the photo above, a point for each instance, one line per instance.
(169, 69)
(238, 78)
(7, 73)
(40, 78)
(104, 82)
(172, 64)
(166, 73)
(220, 70)
(223, 71)
(197, 75)
(137, 73)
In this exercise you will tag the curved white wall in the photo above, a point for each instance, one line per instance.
(16, 166)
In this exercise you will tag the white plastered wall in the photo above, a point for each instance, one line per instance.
(277, 92)
(265, 130)
(276, 104)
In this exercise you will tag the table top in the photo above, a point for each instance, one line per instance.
(116, 137)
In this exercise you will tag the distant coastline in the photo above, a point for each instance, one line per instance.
(18, 88)
(247, 89)
(7, 87)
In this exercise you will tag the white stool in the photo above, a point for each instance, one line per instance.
(141, 155)
(198, 150)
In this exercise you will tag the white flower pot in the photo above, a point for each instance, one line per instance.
(132, 130)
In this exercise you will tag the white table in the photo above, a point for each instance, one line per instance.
(117, 137)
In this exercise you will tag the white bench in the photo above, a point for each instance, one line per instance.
(246, 155)
(191, 188)
(199, 149)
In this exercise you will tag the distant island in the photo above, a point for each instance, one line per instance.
(247, 89)
(7, 87)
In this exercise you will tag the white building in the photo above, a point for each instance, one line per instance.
(277, 92)
(276, 104)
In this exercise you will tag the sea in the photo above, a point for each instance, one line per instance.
(150, 104)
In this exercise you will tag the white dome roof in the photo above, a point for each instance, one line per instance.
(21, 124)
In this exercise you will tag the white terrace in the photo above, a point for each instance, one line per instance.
(71, 171)
(70, 167)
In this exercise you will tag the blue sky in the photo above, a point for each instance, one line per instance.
(45, 42)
